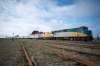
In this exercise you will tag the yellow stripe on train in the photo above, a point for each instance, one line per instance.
(70, 34)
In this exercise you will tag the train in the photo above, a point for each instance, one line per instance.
(78, 34)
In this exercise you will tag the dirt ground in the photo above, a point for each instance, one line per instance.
(11, 55)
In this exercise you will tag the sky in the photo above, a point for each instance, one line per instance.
(23, 16)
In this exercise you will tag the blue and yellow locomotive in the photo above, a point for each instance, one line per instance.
(80, 34)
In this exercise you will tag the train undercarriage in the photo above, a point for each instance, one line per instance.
(68, 38)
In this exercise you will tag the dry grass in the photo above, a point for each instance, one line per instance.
(10, 54)
(38, 50)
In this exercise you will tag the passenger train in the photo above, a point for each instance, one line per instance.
(80, 34)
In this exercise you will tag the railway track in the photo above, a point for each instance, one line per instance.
(64, 55)
(28, 58)
(45, 53)
(85, 49)
(80, 44)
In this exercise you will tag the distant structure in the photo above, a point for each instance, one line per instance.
(97, 37)
(37, 34)
(80, 33)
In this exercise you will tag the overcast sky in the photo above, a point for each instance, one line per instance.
(23, 16)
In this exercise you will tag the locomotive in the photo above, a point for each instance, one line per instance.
(80, 34)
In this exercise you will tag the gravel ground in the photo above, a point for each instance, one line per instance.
(10, 54)
(43, 55)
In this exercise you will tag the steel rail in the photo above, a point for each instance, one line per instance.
(74, 56)
(30, 63)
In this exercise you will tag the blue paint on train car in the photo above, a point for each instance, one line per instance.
(82, 29)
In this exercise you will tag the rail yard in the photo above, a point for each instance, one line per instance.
(36, 52)
(49, 32)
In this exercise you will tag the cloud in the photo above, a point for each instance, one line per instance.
(24, 16)
(63, 2)
(79, 9)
